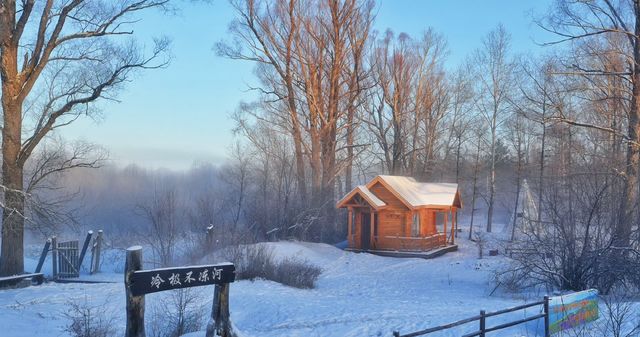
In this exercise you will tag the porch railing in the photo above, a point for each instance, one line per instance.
(409, 243)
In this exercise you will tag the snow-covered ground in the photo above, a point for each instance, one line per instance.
(356, 295)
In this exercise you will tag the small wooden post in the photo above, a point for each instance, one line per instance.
(349, 225)
(54, 256)
(372, 226)
(43, 256)
(445, 227)
(454, 221)
(135, 304)
(87, 241)
(215, 312)
(209, 238)
(453, 227)
(482, 323)
(97, 246)
(220, 322)
(546, 317)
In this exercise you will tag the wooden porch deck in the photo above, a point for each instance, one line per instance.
(430, 254)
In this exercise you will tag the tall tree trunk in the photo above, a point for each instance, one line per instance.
(492, 175)
(630, 202)
(518, 189)
(11, 255)
(458, 159)
(475, 188)
(542, 150)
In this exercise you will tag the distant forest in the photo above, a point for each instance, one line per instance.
(339, 102)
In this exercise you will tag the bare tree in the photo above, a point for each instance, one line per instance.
(310, 63)
(598, 30)
(237, 174)
(164, 214)
(494, 73)
(59, 57)
(462, 101)
(410, 100)
(48, 206)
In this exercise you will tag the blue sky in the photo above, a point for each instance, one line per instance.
(179, 115)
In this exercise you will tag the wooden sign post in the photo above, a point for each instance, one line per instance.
(140, 282)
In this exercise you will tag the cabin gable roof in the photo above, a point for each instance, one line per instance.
(415, 194)
(366, 194)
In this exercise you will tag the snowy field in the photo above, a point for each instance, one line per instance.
(356, 295)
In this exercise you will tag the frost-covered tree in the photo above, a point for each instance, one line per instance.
(57, 57)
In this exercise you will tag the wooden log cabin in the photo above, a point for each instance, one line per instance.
(399, 214)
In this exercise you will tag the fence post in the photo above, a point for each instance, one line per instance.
(87, 241)
(396, 334)
(209, 238)
(43, 256)
(225, 324)
(54, 256)
(546, 316)
(135, 304)
(215, 309)
(220, 322)
(482, 323)
(96, 253)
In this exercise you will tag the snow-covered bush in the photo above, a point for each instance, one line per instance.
(176, 315)
(258, 262)
(297, 273)
(88, 320)
(573, 245)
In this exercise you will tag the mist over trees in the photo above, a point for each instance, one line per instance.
(358, 102)
(340, 102)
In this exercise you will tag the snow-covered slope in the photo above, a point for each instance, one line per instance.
(356, 295)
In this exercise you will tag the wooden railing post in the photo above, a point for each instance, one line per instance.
(43, 256)
(372, 227)
(482, 323)
(54, 256)
(220, 322)
(87, 241)
(546, 317)
(97, 246)
(135, 304)
(215, 310)
(349, 230)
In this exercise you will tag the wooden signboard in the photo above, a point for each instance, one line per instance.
(154, 280)
(139, 282)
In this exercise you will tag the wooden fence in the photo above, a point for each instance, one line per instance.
(483, 329)
(419, 244)
(68, 259)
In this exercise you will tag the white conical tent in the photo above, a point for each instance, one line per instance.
(527, 211)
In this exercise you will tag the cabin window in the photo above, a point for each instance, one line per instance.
(415, 224)
(440, 221)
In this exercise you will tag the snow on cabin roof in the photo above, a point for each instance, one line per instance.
(371, 198)
(419, 194)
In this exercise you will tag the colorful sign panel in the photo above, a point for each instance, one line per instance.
(572, 310)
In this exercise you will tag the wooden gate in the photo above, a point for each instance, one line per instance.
(68, 259)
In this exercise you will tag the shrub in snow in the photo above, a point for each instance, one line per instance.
(87, 320)
(176, 315)
(297, 273)
(258, 262)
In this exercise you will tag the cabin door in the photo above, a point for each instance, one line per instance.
(365, 232)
